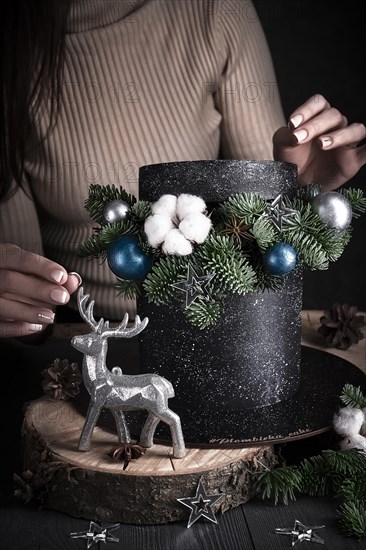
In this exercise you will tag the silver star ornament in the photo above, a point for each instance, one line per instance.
(195, 285)
(200, 504)
(277, 212)
(96, 534)
(301, 532)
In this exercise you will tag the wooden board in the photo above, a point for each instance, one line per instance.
(94, 486)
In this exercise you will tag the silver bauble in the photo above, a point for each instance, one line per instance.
(116, 211)
(333, 209)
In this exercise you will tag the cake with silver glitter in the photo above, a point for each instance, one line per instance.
(251, 358)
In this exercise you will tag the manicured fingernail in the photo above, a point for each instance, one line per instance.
(300, 135)
(77, 276)
(57, 275)
(326, 141)
(46, 317)
(35, 328)
(296, 120)
(59, 296)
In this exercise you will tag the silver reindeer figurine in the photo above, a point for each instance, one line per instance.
(120, 392)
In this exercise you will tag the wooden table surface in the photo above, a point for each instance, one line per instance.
(250, 526)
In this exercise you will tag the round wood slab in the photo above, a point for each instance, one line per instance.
(94, 486)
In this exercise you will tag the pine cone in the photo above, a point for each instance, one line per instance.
(61, 380)
(341, 326)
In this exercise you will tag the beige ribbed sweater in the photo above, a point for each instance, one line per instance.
(145, 82)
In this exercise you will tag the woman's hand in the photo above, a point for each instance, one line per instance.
(31, 286)
(322, 143)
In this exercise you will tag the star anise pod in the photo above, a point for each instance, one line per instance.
(61, 380)
(126, 452)
(238, 229)
(340, 326)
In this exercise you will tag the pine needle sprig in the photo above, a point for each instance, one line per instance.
(128, 289)
(279, 483)
(264, 233)
(348, 462)
(245, 206)
(93, 247)
(164, 273)
(341, 473)
(351, 518)
(97, 245)
(100, 195)
(203, 313)
(139, 211)
(353, 396)
(316, 243)
(265, 281)
(353, 489)
(222, 256)
(309, 251)
(315, 476)
(357, 200)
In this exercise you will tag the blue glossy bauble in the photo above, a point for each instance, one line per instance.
(280, 259)
(127, 260)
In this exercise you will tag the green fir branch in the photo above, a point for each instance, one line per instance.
(265, 281)
(128, 289)
(140, 211)
(352, 518)
(353, 396)
(245, 206)
(165, 272)
(357, 200)
(353, 489)
(98, 244)
(264, 233)
(93, 247)
(203, 313)
(222, 256)
(278, 484)
(341, 473)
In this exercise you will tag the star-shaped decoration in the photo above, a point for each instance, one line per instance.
(277, 212)
(200, 504)
(195, 285)
(96, 534)
(301, 532)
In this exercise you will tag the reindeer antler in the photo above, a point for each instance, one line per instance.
(122, 332)
(87, 312)
(102, 327)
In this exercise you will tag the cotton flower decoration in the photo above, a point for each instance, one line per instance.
(350, 424)
(177, 223)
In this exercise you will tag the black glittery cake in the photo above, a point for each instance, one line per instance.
(251, 358)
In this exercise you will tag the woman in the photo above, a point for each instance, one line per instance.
(91, 91)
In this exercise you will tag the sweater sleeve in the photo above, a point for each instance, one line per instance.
(247, 96)
(19, 221)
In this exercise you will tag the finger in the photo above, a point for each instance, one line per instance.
(361, 155)
(25, 300)
(314, 105)
(15, 258)
(74, 281)
(350, 137)
(19, 311)
(14, 330)
(327, 121)
(34, 288)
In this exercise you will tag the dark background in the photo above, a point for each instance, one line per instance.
(318, 47)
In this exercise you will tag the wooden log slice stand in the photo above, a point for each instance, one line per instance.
(92, 485)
